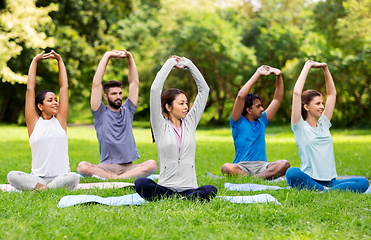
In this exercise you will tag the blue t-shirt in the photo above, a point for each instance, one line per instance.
(249, 139)
(316, 149)
(115, 133)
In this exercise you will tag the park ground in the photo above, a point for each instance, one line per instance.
(301, 215)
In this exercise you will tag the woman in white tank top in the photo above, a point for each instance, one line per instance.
(47, 134)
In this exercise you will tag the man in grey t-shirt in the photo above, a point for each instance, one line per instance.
(113, 124)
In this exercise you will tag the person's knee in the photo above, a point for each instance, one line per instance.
(284, 165)
(208, 191)
(151, 165)
(84, 167)
(12, 176)
(72, 180)
(140, 182)
(292, 172)
(227, 168)
(213, 190)
(75, 179)
(364, 184)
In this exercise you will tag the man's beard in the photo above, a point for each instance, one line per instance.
(115, 104)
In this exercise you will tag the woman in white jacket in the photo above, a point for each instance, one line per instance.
(174, 133)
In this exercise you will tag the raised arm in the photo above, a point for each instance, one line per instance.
(96, 91)
(155, 96)
(31, 115)
(63, 91)
(202, 90)
(331, 92)
(239, 103)
(133, 78)
(278, 95)
(298, 89)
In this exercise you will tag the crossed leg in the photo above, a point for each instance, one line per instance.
(131, 170)
(274, 170)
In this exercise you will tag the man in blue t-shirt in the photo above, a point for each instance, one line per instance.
(113, 124)
(248, 122)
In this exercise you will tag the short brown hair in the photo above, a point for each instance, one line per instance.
(111, 84)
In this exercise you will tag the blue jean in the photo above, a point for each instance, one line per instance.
(298, 179)
(151, 191)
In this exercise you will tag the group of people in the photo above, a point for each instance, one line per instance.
(173, 126)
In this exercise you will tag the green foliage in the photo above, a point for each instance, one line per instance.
(18, 23)
(227, 40)
(347, 29)
(214, 45)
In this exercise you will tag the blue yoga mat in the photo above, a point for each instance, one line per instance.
(131, 199)
(261, 198)
(259, 187)
(250, 187)
(135, 199)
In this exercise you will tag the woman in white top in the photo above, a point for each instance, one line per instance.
(47, 134)
(174, 132)
(310, 122)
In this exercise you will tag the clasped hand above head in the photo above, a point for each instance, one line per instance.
(178, 59)
(115, 54)
(314, 64)
(51, 55)
(266, 70)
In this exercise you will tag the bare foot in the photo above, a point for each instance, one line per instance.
(40, 186)
(325, 189)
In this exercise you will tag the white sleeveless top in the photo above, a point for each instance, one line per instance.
(49, 147)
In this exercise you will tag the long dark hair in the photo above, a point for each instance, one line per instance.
(306, 97)
(249, 101)
(40, 99)
(168, 97)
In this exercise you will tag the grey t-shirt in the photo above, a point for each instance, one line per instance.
(115, 133)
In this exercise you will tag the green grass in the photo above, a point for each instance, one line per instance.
(302, 215)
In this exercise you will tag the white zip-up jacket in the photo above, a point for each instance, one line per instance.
(177, 170)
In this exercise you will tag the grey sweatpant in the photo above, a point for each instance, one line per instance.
(25, 181)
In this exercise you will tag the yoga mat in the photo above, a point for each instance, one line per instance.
(135, 199)
(209, 174)
(131, 199)
(6, 187)
(349, 176)
(250, 187)
(283, 178)
(261, 198)
(154, 176)
(259, 187)
(101, 185)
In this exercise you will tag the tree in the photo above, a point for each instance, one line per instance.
(277, 30)
(213, 44)
(350, 57)
(85, 30)
(19, 23)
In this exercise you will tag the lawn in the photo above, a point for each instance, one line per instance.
(302, 215)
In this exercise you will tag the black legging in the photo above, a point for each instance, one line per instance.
(151, 191)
